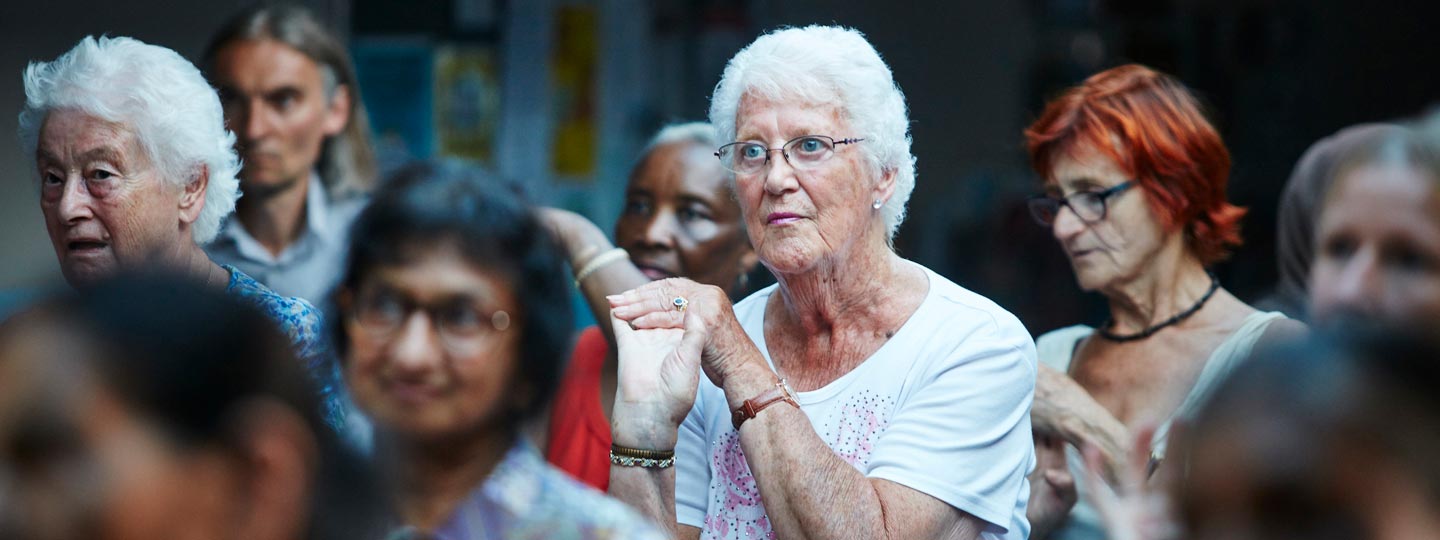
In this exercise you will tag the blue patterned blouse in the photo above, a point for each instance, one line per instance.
(305, 327)
(526, 498)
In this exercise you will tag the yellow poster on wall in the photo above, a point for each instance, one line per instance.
(467, 102)
(574, 93)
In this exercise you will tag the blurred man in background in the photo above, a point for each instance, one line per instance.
(290, 95)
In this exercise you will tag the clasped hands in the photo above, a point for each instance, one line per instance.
(663, 349)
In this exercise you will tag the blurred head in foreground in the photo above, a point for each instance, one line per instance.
(1332, 438)
(444, 240)
(154, 407)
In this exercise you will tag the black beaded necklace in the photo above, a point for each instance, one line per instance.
(1105, 332)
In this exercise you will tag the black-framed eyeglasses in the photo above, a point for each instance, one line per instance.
(1089, 206)
(380, 312)
(803, 153)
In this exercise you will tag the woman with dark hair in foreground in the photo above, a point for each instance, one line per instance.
(454, 320)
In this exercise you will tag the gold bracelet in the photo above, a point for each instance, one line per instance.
(599, 261)
(637, 457)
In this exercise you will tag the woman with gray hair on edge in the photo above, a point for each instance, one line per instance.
(863, 395)
(136, 170)
(1300, 204)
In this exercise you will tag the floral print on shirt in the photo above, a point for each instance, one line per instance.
(851, 435)
(526, 498)
(738, 496)
(305, 327)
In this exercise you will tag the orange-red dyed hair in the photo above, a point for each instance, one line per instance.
(1152, 127)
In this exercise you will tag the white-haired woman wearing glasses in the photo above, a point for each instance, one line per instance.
(136, 170)
(863, 396)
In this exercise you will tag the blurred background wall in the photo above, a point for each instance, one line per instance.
(560, 94)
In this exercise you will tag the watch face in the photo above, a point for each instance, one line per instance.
(785, 386)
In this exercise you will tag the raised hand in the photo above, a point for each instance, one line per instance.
(1062, 407)
(1135, 508)
(702, 311)
(658, 375)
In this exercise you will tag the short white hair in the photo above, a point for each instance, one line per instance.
(825, 65)
(155, 93)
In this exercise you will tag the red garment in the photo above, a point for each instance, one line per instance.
(579, 441)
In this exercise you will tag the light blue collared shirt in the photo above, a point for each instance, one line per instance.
(310, 266)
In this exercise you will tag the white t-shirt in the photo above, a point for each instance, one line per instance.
(943, 407)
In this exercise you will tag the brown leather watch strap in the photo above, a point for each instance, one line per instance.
(753, 406)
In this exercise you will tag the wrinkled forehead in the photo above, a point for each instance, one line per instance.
(792, 114)
(1081, 138)
(1082, 165)
(75, 133)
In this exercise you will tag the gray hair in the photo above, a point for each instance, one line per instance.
(347, 160)
(700, 133)
(822, 65)
(157, 95)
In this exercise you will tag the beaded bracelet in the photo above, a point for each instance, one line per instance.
(635, 457)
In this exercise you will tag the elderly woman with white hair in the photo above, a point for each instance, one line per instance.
(863, 396)
(136, 170)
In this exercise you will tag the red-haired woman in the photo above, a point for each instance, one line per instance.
(1135, 194)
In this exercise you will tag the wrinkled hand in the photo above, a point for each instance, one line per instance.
(658, 374)
(1052, 487)
(1136, 507)
(1063, 407)
(708, 322)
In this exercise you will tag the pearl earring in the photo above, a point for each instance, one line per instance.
(878, 204)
